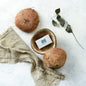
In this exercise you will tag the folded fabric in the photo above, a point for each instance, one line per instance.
(13, 50)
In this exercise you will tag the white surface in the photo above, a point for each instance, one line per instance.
(74, 11)
(43, 41)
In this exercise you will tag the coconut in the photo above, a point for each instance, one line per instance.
(54, 58)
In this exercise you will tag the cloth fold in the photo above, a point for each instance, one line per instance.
(13, 50)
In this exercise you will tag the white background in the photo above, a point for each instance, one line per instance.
(74, 11)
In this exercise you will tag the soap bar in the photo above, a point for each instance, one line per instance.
(44, 41)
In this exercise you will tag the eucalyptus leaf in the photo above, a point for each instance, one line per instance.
(62, 22)
(54, 23)
(57, 11)
(58, 17)
(68, 29)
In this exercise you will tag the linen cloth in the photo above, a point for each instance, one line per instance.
(13, 49)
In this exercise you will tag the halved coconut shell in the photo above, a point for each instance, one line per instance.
(40, 33)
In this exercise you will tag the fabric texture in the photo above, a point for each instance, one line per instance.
(13, 50)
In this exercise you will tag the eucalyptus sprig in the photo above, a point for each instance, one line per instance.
(63, 23)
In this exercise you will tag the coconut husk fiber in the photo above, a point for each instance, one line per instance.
(14, 50)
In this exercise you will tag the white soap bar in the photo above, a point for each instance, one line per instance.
(44, 41)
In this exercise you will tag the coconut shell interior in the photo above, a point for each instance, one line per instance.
(40, 33)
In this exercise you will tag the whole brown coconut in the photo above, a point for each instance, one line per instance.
(54, 58)
(27, 20)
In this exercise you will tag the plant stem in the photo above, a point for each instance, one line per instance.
(77, 40)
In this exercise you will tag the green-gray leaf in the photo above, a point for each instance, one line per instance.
(57, 11)
(68, 29)
(62, 22)
(54, 23)
(58, 17)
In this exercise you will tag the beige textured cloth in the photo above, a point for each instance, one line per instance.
(13, 50)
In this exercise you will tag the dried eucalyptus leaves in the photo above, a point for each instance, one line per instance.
(64, 24)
